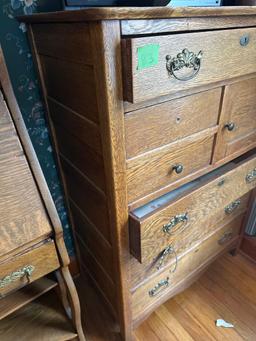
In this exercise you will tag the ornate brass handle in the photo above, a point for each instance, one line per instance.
(184, 59)
(250, 177)
(163, 284)
(26, 271)
(180, 218)
(226, 237)
(169, 250)
(230, 126)
(233, 206)
(178, 168)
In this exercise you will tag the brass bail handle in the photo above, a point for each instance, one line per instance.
(232, 207)
(176, 220)
(184, 59)
(161, 285)
(169, 250)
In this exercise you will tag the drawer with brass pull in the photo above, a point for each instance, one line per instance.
(181, 217)
(25, 268)
(162, 286)
(169, 165)
(161, 65)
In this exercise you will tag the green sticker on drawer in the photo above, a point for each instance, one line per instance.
(148, 56)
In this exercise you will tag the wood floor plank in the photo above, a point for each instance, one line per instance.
(235, 279)
(145, 333)
(160, 329)
(192, 302)
(224, 311)
(189, 322)
(173, 324)
(232, 298)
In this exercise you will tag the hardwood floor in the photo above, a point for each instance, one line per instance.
(227, 291)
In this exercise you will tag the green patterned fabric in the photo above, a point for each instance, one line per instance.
(24, 80)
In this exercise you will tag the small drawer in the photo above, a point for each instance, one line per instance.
(180, 218)
(161, 287)
(169, 164)
(25, 268)
(237, 126)
(162, 65)
(161, 124)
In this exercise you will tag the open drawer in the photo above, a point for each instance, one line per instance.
(185, 215)
(162, 65)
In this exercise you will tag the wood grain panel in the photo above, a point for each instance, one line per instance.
(9, 142)
(156, 26)
(64, 41)
(103, 281)
(161, 124)
(23, 216)
(71, 84)
(93, 239)
(188, 264)
(81, 156)
(44, 258)
(91, 202)
(153, 170)
(84, 130)
(239, 107)
(228, 59)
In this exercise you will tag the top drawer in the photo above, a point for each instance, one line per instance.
(162, 65)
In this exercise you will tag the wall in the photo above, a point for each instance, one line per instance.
(19, 61)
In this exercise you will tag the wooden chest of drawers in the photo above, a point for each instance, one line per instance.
(153, 117)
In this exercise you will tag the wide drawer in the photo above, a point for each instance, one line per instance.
(161, 124)
(161, 287)
(25, 268)
(161, 65)
(169, 164)
(182, 216)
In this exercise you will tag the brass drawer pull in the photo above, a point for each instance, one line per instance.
(24, 272)
(178, 168)
(230, 126)
(169, 250)
(184, 59)
(226, 237)
(232, 207)
(250, 177)
(180, 218)
(163, 284)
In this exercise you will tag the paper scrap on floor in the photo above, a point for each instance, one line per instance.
(224, 324)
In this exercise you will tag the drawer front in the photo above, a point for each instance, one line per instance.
(159, 168)
(162, 65)
(161, 124)
(237, 130)
(160, 287)
(198, 209)
(25, 268)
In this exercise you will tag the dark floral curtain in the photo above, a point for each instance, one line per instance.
(19, 61)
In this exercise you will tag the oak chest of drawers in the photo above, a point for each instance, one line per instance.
(153, 117)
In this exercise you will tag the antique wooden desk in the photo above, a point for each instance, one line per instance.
(31, 238)
(153, 117)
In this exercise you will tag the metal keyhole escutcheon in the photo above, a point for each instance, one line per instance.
(244, 40)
